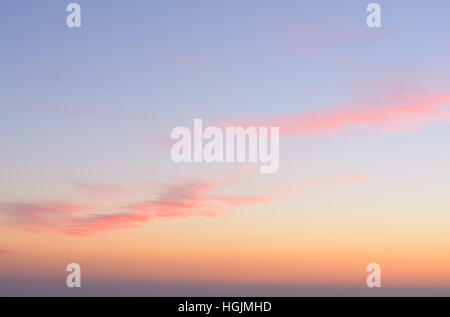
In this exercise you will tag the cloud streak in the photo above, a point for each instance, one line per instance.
(7, 251)
(40, 216)
(97, 190)
(175, 201)
(389, 114)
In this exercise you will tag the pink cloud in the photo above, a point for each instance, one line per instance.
(93, 223)
(7, 252)
(39, 216)
(174, 201)
(390, 114)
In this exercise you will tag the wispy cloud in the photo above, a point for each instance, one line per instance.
(390, 114)
(173, 201)
(7, 251)
(40, 216)
(100, 189)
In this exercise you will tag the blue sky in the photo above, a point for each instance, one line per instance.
(89, 110)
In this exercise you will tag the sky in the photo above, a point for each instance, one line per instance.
(86, 174)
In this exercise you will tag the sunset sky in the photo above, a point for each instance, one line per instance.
(86, 174)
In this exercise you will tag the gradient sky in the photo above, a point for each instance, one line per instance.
(85, 168)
